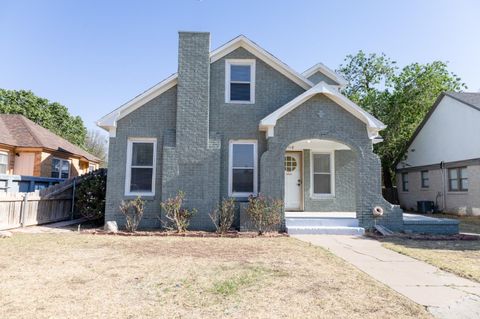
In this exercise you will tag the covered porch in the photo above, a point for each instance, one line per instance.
(319, 190)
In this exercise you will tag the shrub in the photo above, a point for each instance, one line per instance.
(265, 213)
(133, 212)
(178, 218)
(90, 195)
(222, 217)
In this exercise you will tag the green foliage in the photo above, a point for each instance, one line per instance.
(133, 212)
(399, 98)
(223, 216)
(178, 218)
(90, 195)
(51, 115)
(264, 212)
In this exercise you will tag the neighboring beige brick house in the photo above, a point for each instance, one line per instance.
(442, 161)
(28, 149)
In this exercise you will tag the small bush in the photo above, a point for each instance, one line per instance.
(265, 213)
(90, 195)
(133, 212)
(222, 217)
(178, 218)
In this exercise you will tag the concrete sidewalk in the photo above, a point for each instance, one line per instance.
(444, 294)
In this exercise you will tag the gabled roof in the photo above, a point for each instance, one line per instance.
(470, 99)
(267, 57)
(108, 122)
(373, 125)
(16, 130)
(329, 73)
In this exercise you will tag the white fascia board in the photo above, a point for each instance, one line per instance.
(109, 121)
(270, 59)
(325, 70)
(373, 124)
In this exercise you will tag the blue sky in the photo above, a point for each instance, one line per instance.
(93, 56)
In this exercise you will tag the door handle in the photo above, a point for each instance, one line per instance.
(299, 182)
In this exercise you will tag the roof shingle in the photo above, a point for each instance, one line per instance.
(17, 130)
(470, 98)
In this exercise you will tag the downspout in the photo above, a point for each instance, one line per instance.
(442, 168)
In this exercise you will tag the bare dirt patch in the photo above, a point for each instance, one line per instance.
(75, 275)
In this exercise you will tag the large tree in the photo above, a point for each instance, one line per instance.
(51, 115)
(399, 98)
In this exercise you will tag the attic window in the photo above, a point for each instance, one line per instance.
(240, 81)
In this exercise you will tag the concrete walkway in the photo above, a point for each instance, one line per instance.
(58, 227)
(445, 295)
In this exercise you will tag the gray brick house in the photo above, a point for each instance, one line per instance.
(237, 121)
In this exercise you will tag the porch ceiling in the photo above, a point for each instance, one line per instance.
(318, 145)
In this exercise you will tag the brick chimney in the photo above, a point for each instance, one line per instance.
(193, 90)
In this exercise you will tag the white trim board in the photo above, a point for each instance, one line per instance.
(268, 123)
(329, 73)
(128, 165)
(228, 64)
(109, 121)
(259, 52)
(332, 176)
(230, 168)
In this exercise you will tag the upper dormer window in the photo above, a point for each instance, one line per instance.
(240, 81)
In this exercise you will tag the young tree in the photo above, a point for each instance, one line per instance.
(96, 144)
(399, 98)
(51, 115)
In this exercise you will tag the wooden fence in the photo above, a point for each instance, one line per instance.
(26, 209)
(51, 204)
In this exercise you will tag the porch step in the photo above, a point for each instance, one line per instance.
(325, 230)
(307, 221)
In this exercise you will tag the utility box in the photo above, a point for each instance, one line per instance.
(425, 206)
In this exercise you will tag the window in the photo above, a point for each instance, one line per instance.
(140, 177)
(3, 162)
(322, 174)
(91, 168)
(457, 179)
(240, 81)
(60, 168)
(424, 178)
(405, 182)
(242, 168)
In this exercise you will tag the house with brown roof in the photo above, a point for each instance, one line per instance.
(27, 149)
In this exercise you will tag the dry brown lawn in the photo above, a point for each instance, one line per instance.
(77, 275)
(461, 257)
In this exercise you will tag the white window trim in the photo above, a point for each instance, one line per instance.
(230, 168)
(332, 177)
(128, 173)
(228, 64)
(60, 172)
(8, 159)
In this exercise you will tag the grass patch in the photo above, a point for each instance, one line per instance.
(461, 257)
(63, 275)
(246, 278)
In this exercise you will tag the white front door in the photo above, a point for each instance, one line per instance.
(293, 180)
